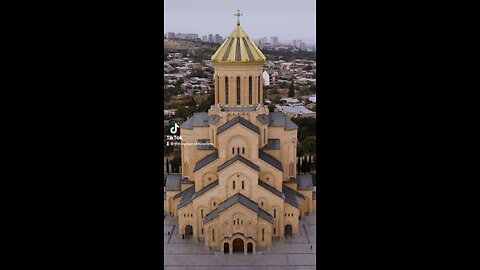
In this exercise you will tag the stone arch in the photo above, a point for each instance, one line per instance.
(209, 177)
(235, 145)
(188, 230)
(288, 230)
(238, 245)
(249, 247)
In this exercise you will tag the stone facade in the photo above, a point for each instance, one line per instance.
(238, 189)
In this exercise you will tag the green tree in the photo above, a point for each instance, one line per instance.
(176, 161)
(300, 150)
(271, 107)
(291, 90)
(276, 99)
(275, 89)
(304, 90)
(310, 144)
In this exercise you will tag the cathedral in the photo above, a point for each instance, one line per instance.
(239, 189)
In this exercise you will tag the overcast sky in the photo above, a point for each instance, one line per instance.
(287, 19)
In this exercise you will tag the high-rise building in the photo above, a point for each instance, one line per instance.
(274, 40)
(204, 38)
(238, 187)
(217, 38)
(171, 35)
(210, 38)
(297, 43)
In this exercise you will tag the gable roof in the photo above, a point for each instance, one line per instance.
(238, 198)
(173, 182)
(205, 189)
(238, 158)
(263, 118)
(304, 181)
(270, 160)
(185, 180)
(199, 119)
(290, 197)
(272, 144)
(271, 189)
(212, 119)
(205, 144)
(205, 161)
(186, 197)
(238, 120)
(279, 119)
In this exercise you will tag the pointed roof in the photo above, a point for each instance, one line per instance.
(241, 199)
(238, 158)
(238, 48)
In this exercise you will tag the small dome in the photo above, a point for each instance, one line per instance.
(238, 48)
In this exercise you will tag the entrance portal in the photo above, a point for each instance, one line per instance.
(249, 248)
(288, 231)
(188, 230)
(238, 246)
(226, 248)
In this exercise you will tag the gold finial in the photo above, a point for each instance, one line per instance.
(238, 14)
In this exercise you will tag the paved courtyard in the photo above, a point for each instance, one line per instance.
(291, 253)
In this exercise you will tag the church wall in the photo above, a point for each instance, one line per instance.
(234, 137)
(244, 173)
(185, 217)
(290, 217)
(306, 205)
(275, 177)
(244, 71)
(264, 233)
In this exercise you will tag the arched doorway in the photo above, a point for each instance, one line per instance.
(188, 230)
(250, 248)
(288, 231)
(238, 246)
(226, 248)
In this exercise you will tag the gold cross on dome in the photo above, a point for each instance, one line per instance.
(238, 14)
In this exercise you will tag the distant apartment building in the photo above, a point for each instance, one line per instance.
(274, 40)
(170, 35)
(297, 43)
(217, 38)
(210, 38)
(205, 38)
(192, 36)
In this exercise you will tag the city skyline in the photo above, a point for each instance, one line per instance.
(201, 17)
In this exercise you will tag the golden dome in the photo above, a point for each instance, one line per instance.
(238, 48)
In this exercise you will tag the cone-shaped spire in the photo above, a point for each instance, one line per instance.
(238, 48)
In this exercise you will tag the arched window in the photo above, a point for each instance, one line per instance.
(201, 212)
(226, 90)
(202, 230)
(234, 222)
(233, 150)
(250, 90)
(213, 234)
(238, 90)
(258, 89)
(238, 150)
(263, 234)
(243, 150)
(233, 184)
(218, 90)
(243, 184)
(274, 213)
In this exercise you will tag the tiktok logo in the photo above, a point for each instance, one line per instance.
(173, 129)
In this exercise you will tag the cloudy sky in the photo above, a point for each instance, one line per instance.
(287, 19)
